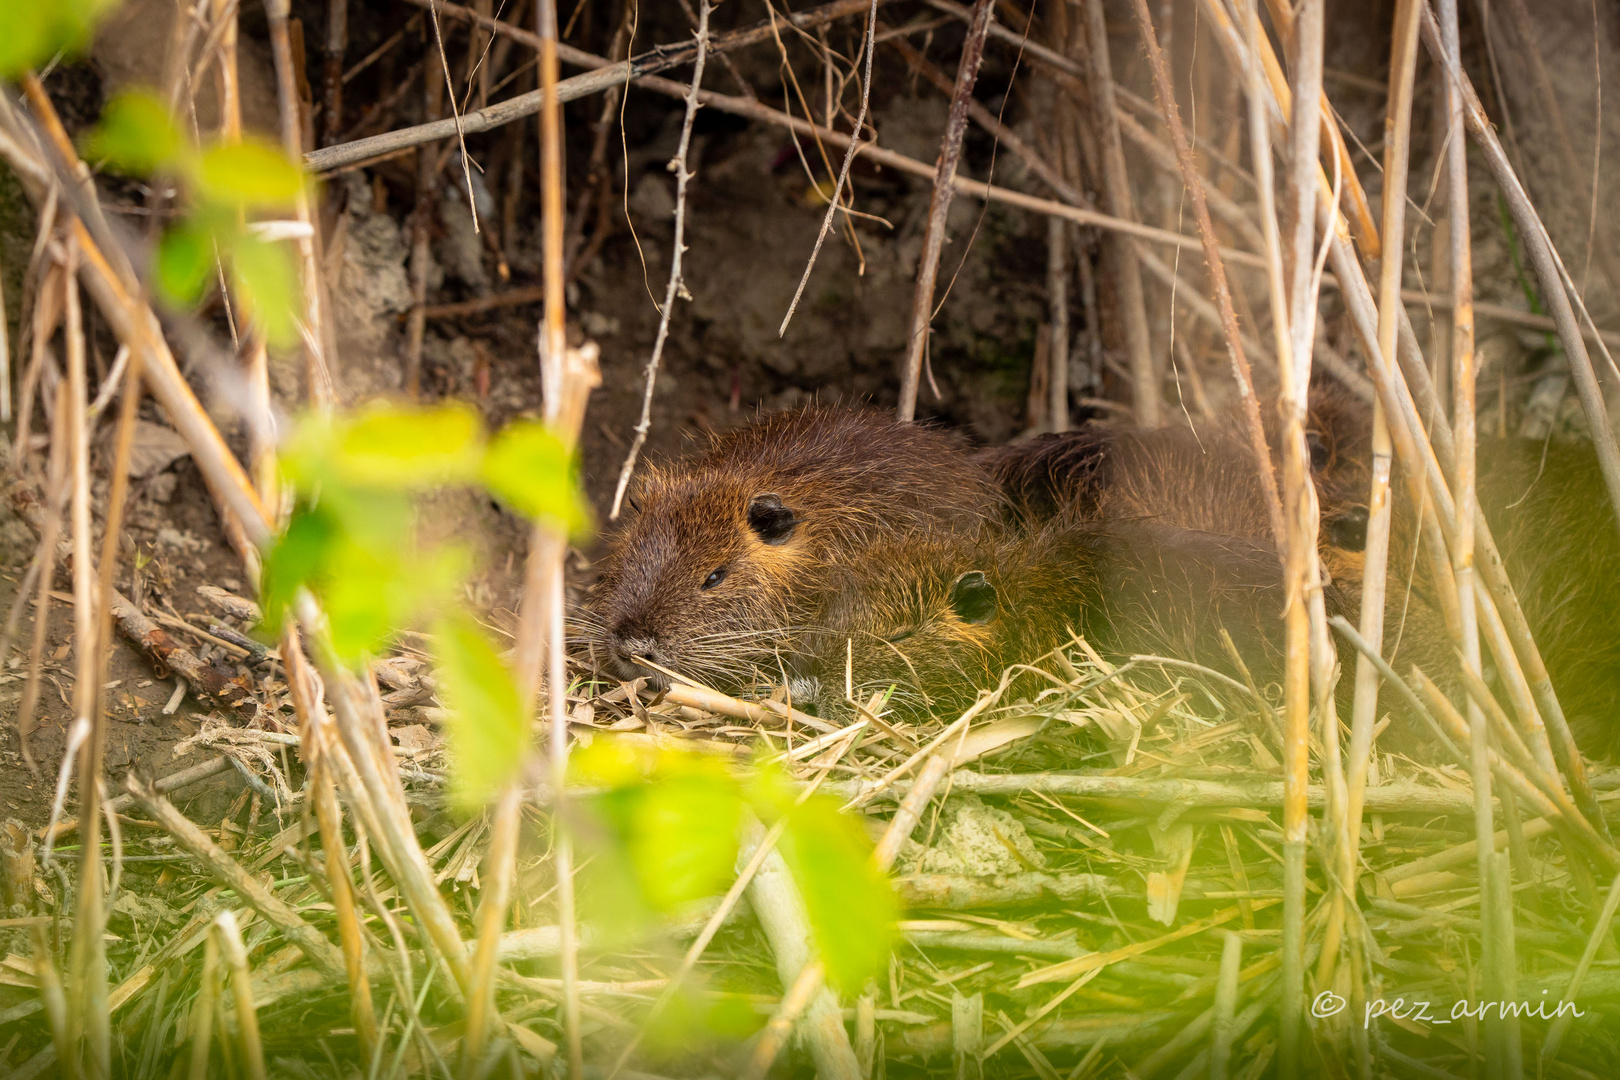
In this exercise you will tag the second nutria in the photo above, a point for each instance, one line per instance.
(727, 552)
(1200, 478)
(940, 619)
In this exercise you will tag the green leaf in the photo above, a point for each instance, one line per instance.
(852, 907)
(404, 448)
(371, 591)
(486, 729)
(34, 31)
(529, 469)
(249, 174)
(267, 283)
(184, 263)
(136, 135)
(683, 835)
(296, 559)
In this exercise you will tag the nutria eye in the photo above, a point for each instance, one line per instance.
(895, 639)
(714, 578)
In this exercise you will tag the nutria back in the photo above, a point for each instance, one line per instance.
(724, 554)
(1550, 514)
(1201, 478)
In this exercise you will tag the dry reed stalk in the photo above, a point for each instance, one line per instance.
(87, 957)
(55, 493)
(337, 41)
(40, 325)
(676, 287)
(247, 1019)
(108, 278)
(427, 186)
(304, 688)
(1057, 301)
(1296, 708)
(1116, 185)
(376, 795)
(260, 421)
(5, 361)
(495, 896)
(1220, 1052)
(1498, 916)
(950, 153)
(1543, 259)
(1548, 268)
(317, 331)
(1194, 185)
(1295, 328)
(567, 375)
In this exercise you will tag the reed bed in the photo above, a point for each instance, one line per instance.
(1132, 868)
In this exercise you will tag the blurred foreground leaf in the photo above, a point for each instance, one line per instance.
(184, 263)
(34, 31)
(136, 135)
(249, 174)
(294, 561)
(486, 729)
(530, 469)
(852, 906)
(267, 282)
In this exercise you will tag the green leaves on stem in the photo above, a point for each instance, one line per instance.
(138, 137)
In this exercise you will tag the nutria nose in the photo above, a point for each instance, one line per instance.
(628, 648)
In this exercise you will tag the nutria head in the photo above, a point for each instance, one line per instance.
(942, 620)
(725, 555)
(939, 619)
(922, 615)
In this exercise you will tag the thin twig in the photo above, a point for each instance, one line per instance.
(843, 170)
(317, 331)
(676, 286)
(1117, 192)
(1194, 185)
(455, 113)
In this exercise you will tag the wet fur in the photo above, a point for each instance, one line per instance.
(849, 477)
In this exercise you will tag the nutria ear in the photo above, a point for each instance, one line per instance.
(1347, 530)
(769, 519)
(973, 598)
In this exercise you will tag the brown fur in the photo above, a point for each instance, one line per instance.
(845, 479)
(1202, 478)
(1127, 589)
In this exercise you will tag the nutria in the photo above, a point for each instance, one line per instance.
(1200, 478)
(941, 618)
(1550, 514)
(727, 552)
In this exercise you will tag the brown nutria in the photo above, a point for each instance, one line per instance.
(727, 552)
(941, 618)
